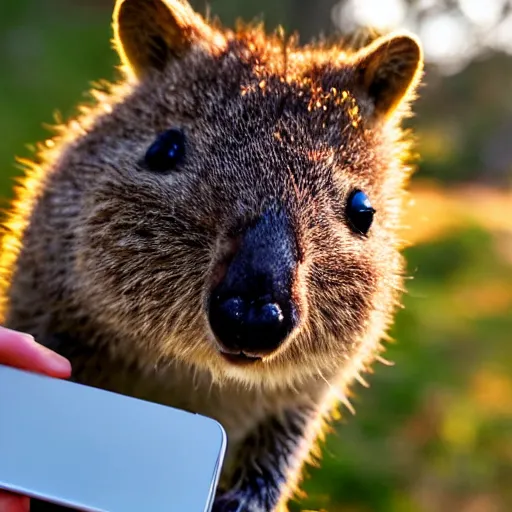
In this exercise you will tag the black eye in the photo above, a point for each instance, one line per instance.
(359, 212)
(167, 152)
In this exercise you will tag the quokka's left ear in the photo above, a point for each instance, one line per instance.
(148, 34)
(389, 70)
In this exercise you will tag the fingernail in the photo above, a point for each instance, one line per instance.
(55, 361)
(17, 334)
(28, 337)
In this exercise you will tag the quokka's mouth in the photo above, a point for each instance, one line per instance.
(240, 358)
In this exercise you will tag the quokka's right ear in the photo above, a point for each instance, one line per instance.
(389, 70)
(150, 33)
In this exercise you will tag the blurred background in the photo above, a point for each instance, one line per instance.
(434, 432)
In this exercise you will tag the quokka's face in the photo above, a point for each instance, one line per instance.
(245, 219)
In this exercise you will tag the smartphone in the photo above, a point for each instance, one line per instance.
(94, 450)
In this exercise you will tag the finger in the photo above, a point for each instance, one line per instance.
(21, 351)
(13, 503)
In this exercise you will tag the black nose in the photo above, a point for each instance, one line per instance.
(253, 326)
(252, 310)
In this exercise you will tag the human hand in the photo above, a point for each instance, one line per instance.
(21, 351)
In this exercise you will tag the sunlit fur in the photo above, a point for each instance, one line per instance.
(111, 264)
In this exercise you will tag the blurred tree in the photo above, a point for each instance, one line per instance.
(454, 32)
(311, 18)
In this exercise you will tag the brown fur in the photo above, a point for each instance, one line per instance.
(111, 265)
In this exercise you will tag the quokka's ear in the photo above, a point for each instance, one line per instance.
(149, 33)
(388, 70)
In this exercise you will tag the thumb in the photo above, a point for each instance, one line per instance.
(21, 351)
